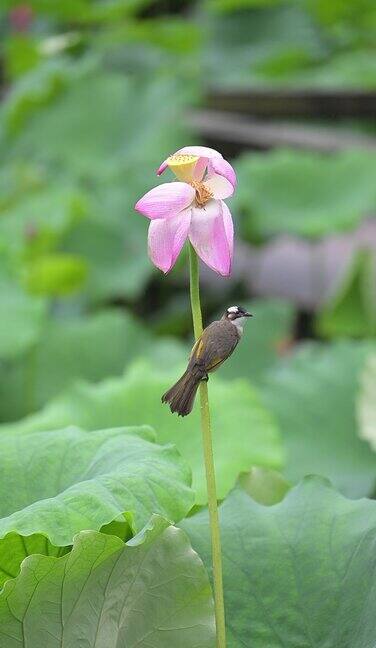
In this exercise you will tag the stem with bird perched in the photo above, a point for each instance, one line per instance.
(209, 459)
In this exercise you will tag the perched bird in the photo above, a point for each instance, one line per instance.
(215, 345)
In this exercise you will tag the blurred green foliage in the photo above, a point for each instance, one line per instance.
(300, 43)
(313, 396)
(366, 403)
(268, 338)
(352, 310)
(136, 396)
(88, 151)
(65, 350)
(304, 193)
(21, 322)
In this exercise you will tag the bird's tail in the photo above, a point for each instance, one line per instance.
(181, 396)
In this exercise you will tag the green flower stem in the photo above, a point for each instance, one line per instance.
(209, 460)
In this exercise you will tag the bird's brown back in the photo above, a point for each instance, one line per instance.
(215, 345)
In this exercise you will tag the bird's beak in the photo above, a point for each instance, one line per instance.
(248, 314)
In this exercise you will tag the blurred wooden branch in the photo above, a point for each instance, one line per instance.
(238, 132)
(295, 102)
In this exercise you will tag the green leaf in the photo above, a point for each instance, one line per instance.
(21, 322)
(352, 310)
(21, 54)
(308, 44)
(264, 486)
(151, 591)
(354, 69)
(312, 394)
(14, 548)
(115, 251)
(236, 5)
(136, 398)
(352, 22)
(123, 151)
(330, 194)
(106, 173)
(176, 35)
(55, 275)
(240, 44)
(83, 11)
(300, 573)
(37, 89)
(91, 347)
(37, 214)
(166, 353)
(60, 482)
(366, 403)
(266, 337)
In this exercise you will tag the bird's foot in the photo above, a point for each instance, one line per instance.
(205, 378)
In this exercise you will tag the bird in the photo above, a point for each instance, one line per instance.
(213, 347)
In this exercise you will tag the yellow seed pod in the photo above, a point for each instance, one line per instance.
(183, 165)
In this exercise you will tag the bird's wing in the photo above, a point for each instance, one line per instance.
(197, 348)
(214, 346)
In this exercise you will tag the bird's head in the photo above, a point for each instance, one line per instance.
(236, 315)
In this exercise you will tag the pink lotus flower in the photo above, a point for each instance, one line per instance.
(192, 208)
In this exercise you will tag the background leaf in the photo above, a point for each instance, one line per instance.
(69, 348)
(87, 186)
(264, 486)
(330, 194)
(137, 397)
(98, 593)
(22, 320)
(313, 397)
(105, 342)
(352, 310)
(366, 403)
(310, 44)
(298, 573)
(239, 44)
(266, 337)
(56, 274)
